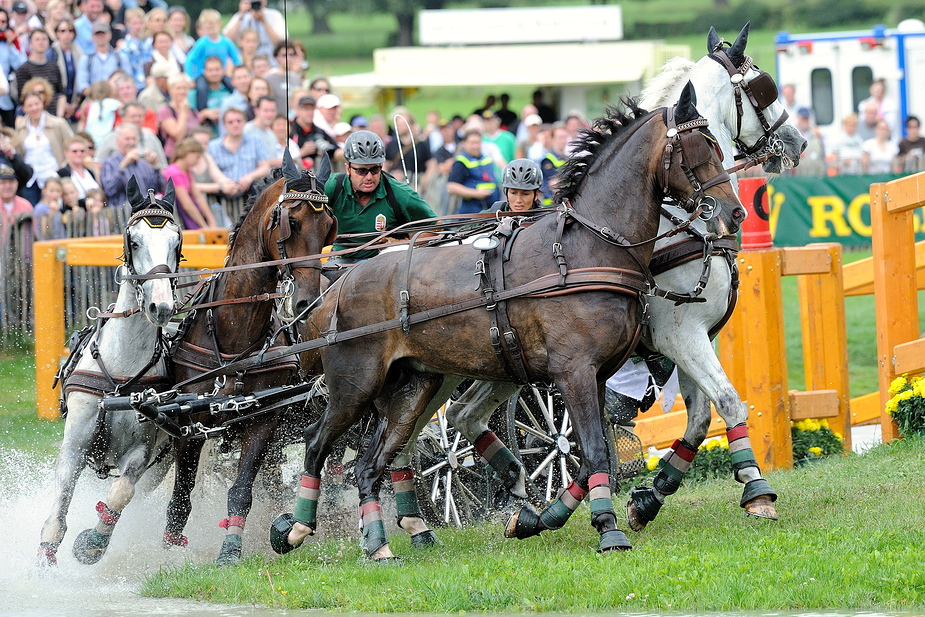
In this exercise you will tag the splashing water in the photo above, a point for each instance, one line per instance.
(110, 587)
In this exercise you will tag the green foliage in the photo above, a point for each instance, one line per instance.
(712, 461)
(907, 405)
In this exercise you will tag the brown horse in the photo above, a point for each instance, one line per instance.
(289, 218)
(574, 340)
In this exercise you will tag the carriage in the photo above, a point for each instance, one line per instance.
(672, 157)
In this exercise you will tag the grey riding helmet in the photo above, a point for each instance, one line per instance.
(522, 174)
(364, 148)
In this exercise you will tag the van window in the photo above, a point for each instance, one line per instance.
(820, 83)
(861, 78)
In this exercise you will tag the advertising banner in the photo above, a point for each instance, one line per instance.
(825, 209)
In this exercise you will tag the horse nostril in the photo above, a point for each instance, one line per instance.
(803, 147)
(739, 214)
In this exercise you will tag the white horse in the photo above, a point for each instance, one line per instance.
(681, 332)
(122, 352)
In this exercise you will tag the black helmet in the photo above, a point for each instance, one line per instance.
(364, 148)
(522, 174)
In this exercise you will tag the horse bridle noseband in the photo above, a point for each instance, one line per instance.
(761, 92)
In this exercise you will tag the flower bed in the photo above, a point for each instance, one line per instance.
(907, 405)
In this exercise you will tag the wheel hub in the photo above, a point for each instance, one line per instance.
(452, 460)
(563, 444)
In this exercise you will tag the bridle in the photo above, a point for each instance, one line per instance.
(287, 201)
(155, 217)
(761, 92)
(696, 148)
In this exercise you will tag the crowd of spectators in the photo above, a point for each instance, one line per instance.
(867, 142)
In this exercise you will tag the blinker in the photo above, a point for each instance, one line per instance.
(697, 150)
(764, 90)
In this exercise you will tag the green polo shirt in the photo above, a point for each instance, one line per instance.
(378, 214)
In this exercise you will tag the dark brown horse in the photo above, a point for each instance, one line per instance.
(572, 339)
(289, 218)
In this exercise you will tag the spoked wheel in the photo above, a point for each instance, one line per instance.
(452, 484)
(541, 435)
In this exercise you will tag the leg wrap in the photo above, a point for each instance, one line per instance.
(740, 448)
(48, 554)
(406, 499)
(233, 524)
(108, 519)
(501, 459)
(675, 465)
(374, 536)
(558, 512)
(306, 506)
(599, 495)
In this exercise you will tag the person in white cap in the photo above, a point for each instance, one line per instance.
(327, 113)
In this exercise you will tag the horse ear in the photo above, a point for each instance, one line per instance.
(736, 53)
(170, 195)
(290, 171)
(713, 40)
(133, 194)
(686, 109)
(323, 171)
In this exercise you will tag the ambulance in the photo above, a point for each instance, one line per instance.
(832, 71)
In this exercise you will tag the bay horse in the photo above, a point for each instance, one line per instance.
(682, 332)
(572, 340)
(122, 352)
(289, 218)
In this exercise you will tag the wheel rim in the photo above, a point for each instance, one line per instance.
(451, 481)
(542, 437)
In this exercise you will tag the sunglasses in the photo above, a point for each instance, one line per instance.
(367, 171)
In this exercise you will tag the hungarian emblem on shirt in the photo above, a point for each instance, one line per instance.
(380, 222)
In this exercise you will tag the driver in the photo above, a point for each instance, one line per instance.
(520, 183)
(367, 200)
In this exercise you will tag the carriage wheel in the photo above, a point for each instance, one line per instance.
(541, 435)
(451, 482)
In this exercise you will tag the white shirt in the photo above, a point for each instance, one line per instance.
(39, 154)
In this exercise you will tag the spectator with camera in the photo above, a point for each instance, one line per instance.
(312, 141)
(254, 15)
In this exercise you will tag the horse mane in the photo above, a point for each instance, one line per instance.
(604, 130)
(659, 88)
(305, 183)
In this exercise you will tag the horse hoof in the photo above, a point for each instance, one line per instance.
(171, 540)
(230, 555)
(425, 540)
(634, 517)
(47, 557)
(523, 524)
(90, 546)
(614, 540)
(761, 507)
(279, 534)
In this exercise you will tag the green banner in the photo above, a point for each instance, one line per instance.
(825, 209)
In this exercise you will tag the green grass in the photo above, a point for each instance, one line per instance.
(841, 543)
(20, 429)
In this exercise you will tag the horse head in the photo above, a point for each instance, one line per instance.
(751, 111)
(297, 221)
(152, 244)
(692, 173)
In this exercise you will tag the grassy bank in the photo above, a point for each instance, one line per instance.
(849, 537)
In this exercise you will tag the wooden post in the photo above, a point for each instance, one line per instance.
(762, 335)
(825, 348)
(895, 297)
(48, 282)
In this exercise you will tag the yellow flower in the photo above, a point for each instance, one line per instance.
(840, 438)
(652, 463)
(898, 384)
(815, 451)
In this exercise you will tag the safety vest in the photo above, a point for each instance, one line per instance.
(556, 164)
(481, 176)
